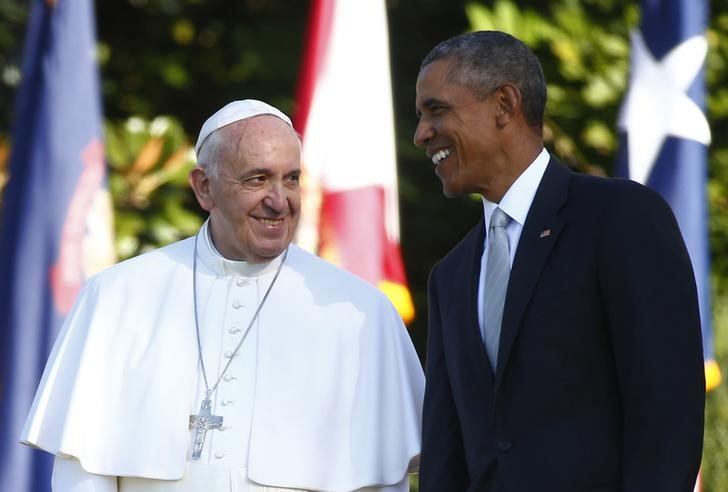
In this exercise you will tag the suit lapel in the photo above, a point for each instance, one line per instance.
(540, 233)
(462, 311)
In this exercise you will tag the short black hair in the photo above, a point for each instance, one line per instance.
(485, 60)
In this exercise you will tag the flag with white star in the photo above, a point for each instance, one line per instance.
(665, 132)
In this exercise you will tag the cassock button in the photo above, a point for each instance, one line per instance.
(236, 304)
(227, 378)
(228, 354)
(505, 446)
(219, 456)
(242, 281)
(225, 403)
(223, 428)
(234, 330)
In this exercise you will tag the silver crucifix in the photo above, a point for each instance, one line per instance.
(201, 423)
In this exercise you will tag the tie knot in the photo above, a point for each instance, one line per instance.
(499, 218)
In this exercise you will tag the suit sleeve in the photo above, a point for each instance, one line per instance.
(651, 305)
(442, 465)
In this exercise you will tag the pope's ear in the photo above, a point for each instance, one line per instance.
(200, 184)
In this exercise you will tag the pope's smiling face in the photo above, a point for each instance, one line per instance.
(253, 196)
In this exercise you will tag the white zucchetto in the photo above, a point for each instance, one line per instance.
(237, 111)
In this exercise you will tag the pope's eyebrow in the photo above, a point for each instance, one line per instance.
(255, 172)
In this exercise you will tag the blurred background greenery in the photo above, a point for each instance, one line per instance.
(167, 64)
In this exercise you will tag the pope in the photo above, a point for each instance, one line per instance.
(232, 360)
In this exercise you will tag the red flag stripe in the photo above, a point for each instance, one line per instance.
(317, 39)
(350, 211)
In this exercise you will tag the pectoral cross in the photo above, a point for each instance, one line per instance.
(201, 423)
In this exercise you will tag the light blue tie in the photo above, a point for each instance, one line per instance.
(496, 282)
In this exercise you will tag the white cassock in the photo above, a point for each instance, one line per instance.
(325, 393)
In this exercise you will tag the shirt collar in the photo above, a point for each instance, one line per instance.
(517, 200)
(221, 266)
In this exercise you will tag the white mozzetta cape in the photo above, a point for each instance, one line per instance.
(338, 392)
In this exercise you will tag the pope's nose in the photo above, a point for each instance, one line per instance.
(276, 198)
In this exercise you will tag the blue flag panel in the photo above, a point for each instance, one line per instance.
(57, 182)
(671, 44)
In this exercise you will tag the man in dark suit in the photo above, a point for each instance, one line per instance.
(578, 366)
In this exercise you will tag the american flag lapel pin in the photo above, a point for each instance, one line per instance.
(544, 233)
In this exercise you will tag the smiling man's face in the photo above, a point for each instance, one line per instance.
(254, 197)
(457, 131)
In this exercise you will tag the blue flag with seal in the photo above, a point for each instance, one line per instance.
(666, 134)
(56, 220)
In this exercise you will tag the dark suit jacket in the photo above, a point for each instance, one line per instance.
(599, 384)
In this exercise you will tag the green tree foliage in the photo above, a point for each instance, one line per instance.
(715, 454)
(13, 17)
(189, 57)
(148, 166)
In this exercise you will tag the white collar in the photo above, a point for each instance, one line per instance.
(221, 266)
(517, 200)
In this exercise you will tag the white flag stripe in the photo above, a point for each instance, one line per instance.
(349, 138)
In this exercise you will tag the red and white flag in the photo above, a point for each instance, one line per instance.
(344, 112)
